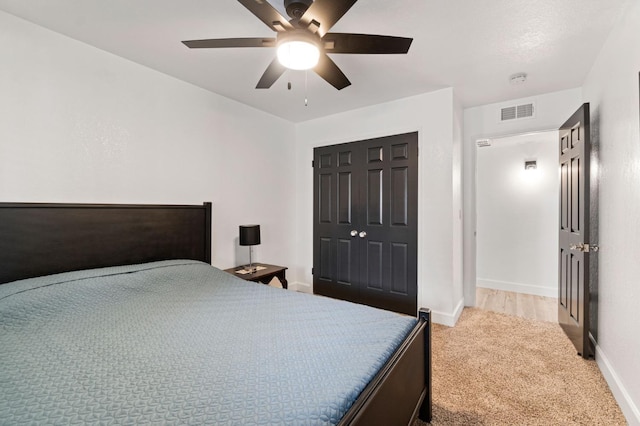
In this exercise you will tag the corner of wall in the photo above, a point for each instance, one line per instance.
(301, 287)
(449, 319)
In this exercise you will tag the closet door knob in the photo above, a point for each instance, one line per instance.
(354, 233)
(363, 234)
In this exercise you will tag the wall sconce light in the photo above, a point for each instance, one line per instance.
(530, 165)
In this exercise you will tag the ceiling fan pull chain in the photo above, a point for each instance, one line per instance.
(306, 100)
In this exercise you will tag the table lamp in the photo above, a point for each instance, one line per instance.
(250, 236)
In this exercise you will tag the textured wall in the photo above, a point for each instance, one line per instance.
(612, 90)
(81, 125)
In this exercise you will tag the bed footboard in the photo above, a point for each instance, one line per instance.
(401, 391)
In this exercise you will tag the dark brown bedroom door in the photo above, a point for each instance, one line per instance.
(574, 250)
(366, 222)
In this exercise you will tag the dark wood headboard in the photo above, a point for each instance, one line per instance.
(42, 239)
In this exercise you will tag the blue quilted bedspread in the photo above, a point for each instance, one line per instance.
(181, 342)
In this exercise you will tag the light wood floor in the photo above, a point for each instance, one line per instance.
(522, 305)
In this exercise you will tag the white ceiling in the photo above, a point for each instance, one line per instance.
(470, 45)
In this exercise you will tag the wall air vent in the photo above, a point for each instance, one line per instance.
(525, 111)
(508, 113)
(517, 112)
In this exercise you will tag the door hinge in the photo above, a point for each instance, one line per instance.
(311, 271)
(313, 163)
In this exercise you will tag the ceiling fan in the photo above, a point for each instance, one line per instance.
(303, 42)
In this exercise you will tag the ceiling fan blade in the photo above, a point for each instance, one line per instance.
(271, 74)
(328, 70)
(267, 14)
(230, 42)
(365, 43)
(326, 13)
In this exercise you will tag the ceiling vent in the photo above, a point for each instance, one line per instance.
(517, 112)
(483, 142)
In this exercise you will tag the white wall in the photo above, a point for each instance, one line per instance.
(517, 214)
(552, 110)
(612, 90)
(432, 115)
(81, 125)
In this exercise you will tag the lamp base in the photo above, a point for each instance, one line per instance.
(250, 268)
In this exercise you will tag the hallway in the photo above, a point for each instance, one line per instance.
(522, 305)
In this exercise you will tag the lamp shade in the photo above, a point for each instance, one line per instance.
(249, 235)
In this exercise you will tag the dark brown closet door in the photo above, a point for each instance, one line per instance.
(335, 249)
(366, 222)
(574, 251)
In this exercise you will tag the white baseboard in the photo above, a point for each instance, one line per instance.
(444, 318)
(622, 397)
(517, 287)
(448, 319)
(300, 287)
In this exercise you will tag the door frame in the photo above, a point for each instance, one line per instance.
(470, 267)
(547, 133)
(359, 166)
(422, 243)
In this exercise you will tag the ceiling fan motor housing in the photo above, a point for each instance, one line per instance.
(299, 35)
(296, 8)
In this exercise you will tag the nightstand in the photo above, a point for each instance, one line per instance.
(263, 276)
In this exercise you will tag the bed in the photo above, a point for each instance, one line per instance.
(113, 314)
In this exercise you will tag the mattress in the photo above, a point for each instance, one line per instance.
(182, 342)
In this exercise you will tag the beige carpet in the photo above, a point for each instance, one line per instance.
(497, 369)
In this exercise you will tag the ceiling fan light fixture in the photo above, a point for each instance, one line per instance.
(298, 50)
(298, 55)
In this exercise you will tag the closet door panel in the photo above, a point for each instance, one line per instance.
(374, 197)
(335, 264)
